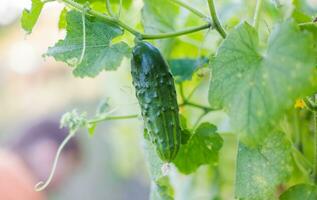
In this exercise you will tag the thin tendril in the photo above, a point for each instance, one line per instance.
(120, 8)
(42, 185)
(84, 38)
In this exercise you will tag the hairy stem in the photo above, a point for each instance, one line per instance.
(133, 31)
(107, 118)
(176, 33)
(257, 12)
(215, 19)
(307, 24)
(191, 9)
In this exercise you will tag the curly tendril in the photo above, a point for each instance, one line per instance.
(42, 185)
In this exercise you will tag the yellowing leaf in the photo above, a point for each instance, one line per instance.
(255, 85)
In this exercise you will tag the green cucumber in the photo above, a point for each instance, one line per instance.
(155, 91)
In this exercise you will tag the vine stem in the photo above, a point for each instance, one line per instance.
(107, 118)
(215, 19)
(307, 24)
(256, 18)
(115, 20)
(205, 108)
(315, 144)
(191, 9)
(176, 33)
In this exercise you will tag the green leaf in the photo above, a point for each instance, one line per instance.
(30, 17)
(156, 21)
(257, 85)
(202, 148)
(300, 191)
(183, 69)
(100, 53)
(161, 189)
(303, 13)
(260, 169)
(62, 19)
(303, 7)
(92, 128)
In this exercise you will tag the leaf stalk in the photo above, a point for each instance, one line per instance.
(215, 19)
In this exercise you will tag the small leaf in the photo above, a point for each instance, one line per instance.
(183, 69)
(300, 191)
(30, 17)
(260, 169)
(162, 189)
(62, 19)
(99, 55)
(202, 148)
(257, 85)
(92, 128)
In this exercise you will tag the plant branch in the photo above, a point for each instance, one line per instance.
(191, 9)
(215, 19)
(307, 24)
(257, 12)
(176, 33)
(315, 143)
(107, 118)
(205, 108)
(133, 31)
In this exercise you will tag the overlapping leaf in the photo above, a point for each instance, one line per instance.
(183, 69)
(30, 17)
(202, 148)
(260, 169)
(160, 19)
(100, 54)
(255, 85)
(301, 191)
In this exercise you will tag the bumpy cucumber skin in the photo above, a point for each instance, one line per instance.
(155, 91)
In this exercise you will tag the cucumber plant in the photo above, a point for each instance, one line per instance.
(260, 58)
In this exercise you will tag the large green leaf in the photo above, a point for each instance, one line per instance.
(100, 53)
(159, 19)
(30, 17)
(256, 85)
(159, 16)
(260, 169)
(301, 191)
(202, 148)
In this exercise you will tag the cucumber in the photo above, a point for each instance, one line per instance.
(155, 91)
